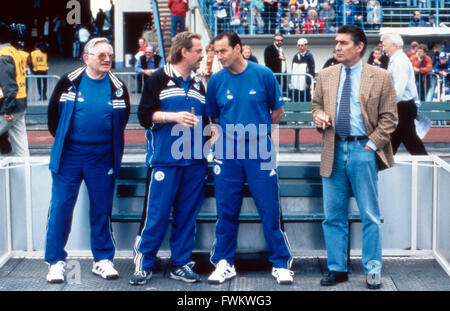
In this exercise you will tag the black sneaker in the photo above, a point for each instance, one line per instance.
(184, 273)
(140, 277)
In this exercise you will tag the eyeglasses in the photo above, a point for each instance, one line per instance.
(102, 56)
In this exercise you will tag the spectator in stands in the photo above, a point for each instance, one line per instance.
(347, 12)
(422, 64)
(244, 8)
(286, 27)
(442, 68)
(221, 11)
(297, 21)
(431, 21)
(209, 64)
(313, 24)
(146, 65)
(302, 63)
(328, 15)
(258, 21)
(377, 58)
(445, 46)
(299, 3)
(359, 13)
(413, 49)
(247, 53)
(384, 59)
(270, 15)
(331, 61)
(235, 17)
(424, 3)
(374, 14)
(417, 20)
(310, 4)
(178, 8)
(433, 52)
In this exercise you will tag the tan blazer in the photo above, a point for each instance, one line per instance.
(378, 109)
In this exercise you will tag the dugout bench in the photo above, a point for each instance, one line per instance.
(296, 180)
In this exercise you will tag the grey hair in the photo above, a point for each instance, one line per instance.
(93, 42)
(393, 38)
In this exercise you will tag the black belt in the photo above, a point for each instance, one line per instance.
(351, 138)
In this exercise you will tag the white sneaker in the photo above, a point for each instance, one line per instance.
(222, 273)
(105, 269)
(283, 276)
(55, 273)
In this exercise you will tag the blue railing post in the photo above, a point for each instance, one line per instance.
(252, 27)
(158, 29)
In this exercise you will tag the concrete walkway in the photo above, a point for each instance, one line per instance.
(399, 274)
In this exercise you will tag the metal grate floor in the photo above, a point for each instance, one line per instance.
(399, 274)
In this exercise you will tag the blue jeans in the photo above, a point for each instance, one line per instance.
(177, 20)
(354, 170)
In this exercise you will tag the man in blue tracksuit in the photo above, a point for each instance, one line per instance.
(172, 109)
(87, 115)
(245, 100)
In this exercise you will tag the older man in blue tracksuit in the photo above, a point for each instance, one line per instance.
(87, 115)
(171, 109)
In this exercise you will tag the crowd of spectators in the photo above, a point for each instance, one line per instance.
(431, 66)
(304, 16)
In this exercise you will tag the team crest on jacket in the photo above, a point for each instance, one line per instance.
(119, 92)
(217, 169)
(159, 176)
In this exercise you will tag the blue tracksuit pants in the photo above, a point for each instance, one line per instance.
(91, 163)
(180, 190)
(230, 175)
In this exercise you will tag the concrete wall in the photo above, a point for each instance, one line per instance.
(121, 7)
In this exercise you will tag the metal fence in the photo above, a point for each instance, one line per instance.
(294, 87)
(295, 17)
(40, 88)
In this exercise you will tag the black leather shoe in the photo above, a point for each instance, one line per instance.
(373, 280)
(334, 278)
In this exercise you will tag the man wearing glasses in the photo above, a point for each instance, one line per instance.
(87, 115)
(146, 65)
(275, 59)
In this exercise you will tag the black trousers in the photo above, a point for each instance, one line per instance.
(42, 84)
(406, 129)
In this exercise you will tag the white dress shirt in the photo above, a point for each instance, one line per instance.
(403, 77)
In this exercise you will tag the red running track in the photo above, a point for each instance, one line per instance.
(286, 136)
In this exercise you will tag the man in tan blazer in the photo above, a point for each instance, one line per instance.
(354, 105)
